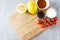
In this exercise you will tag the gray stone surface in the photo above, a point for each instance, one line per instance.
(7, 7)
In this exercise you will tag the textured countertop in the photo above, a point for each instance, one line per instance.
(7, 32)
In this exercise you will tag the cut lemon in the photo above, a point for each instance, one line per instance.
(21, 8)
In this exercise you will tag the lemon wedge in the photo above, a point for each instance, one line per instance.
(21, 8)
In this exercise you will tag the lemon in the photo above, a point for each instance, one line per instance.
(21, 8)
(32, 7)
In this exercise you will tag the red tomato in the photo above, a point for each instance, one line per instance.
(38, 21)
(47, 24)
(42, 25)
(48, 19)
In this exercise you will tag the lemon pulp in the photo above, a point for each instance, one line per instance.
(21, 8)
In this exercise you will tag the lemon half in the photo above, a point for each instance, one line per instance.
(21, 8)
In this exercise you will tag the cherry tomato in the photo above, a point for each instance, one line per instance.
(48, 20)
(47, 24)
(42, 25)
(52, 19)
(56, 18)
(38, 21)
(51, 23)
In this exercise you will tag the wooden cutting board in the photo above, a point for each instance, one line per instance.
(25, 25)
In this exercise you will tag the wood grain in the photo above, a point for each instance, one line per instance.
(25, 25)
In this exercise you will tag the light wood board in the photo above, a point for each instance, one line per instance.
(25, 25)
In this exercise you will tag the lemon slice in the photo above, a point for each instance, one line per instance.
(21, 8)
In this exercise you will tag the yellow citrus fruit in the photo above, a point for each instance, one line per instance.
(21, 8)
(32, 7)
